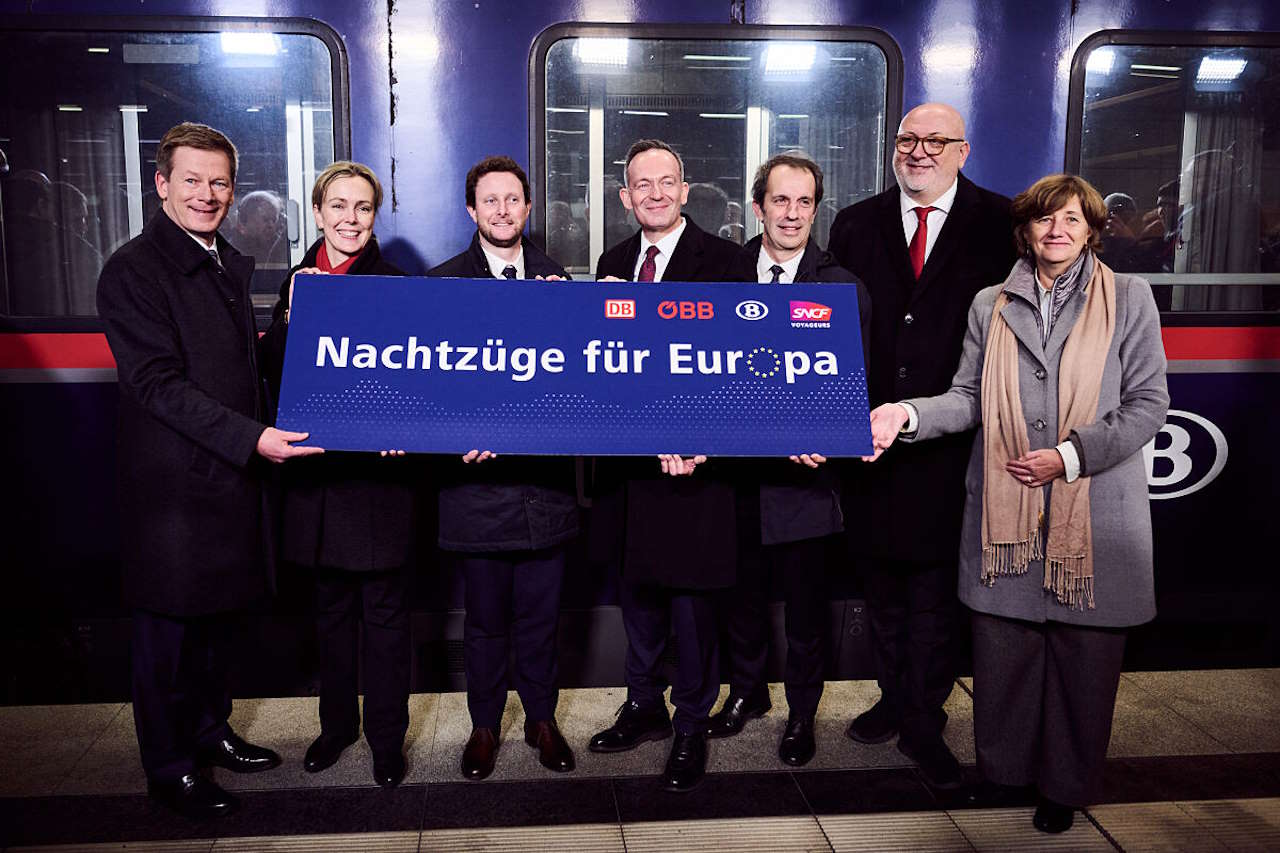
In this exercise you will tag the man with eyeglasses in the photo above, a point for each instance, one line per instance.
(924, 248)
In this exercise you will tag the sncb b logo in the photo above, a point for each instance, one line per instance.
(1186, 455)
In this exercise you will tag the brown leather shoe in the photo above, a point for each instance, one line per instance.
(481, 753)
(553, 752)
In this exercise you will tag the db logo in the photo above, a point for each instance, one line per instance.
(1185, 456)
(669, 309)
(810, 312)
(620, 309)
(750, 309)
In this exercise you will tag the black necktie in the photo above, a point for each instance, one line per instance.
(213, 253)
(777, 273)
(509, 271)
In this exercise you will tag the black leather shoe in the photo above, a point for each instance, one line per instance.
(553, 751)
(687, 763)
(388, 770)
(635, 725)
(877, 724)
(480, 754)
(797, 745)
(937, 765)
(730, 719)
(1053, 817)
(324, 752)
(239, 756)
(992, 795)
(193, 796)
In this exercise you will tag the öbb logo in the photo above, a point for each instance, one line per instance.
(810, 314)
(620, 309)
(669, 309)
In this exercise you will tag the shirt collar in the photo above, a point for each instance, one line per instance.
(497, 264)
(942, 202)
(205, 247)
(764, 262)
(667, 245)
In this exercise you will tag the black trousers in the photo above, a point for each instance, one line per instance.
(650, 615)
(914, 616)
(364, 614)
(513, 606)
(1043, 698)
(800, 566)
(181, 698)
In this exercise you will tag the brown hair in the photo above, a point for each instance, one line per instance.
(495, 164)
(345, 169)
(1051, 193)
(192, 135)
(795, 161)
(642, 145)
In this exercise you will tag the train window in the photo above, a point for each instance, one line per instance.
(727, 101)
(78, 138)
(1184, 143)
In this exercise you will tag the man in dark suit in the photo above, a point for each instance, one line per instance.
(785, 508)
(175, 305)
(924, 248)
(510, 520)
(679, 535)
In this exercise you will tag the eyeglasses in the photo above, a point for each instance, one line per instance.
(933, 145)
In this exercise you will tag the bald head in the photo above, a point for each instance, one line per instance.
(922, 176)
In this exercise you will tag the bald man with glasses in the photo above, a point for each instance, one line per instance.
(923, 248)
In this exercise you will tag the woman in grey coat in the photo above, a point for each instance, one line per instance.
(1063, 371)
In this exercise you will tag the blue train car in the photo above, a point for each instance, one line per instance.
(1170, 108)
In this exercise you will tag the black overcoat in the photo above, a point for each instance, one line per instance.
(677, 532)
(908, 504)
(192, 511)
(512, 503)
(797, 502)
(350, 511)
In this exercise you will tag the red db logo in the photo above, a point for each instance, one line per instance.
(670, 310)
(620, 309)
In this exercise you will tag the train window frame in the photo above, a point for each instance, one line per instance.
(339, 78)
(543, 42)
(1073, 153)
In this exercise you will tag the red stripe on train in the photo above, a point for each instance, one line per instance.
(90, 350)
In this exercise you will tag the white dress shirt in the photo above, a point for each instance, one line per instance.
(764, 275)
(497, 264)
(936, 219)
(666, 246)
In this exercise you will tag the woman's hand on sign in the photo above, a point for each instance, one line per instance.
(478, 455)
(811, 460)
(677, 466)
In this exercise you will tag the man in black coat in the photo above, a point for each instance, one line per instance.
(679, 535)
(174, 302)
(785, 508)
(510, 519)
(924, 248)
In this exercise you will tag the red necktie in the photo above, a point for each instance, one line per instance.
(649, 268)
(919, 239)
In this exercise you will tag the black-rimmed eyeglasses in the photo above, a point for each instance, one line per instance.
(933, 145)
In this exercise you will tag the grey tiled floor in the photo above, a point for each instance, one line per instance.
(91, 749)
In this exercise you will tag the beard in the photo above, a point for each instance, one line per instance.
(502, 243)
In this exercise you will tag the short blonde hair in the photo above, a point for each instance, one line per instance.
(345, 169)
(1051, 193)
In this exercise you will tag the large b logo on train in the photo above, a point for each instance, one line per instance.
(1186, 455)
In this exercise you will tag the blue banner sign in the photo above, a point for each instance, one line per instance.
(448, 365)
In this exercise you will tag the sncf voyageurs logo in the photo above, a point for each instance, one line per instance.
(810, 315)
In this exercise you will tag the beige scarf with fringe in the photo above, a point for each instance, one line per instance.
(1012, 512)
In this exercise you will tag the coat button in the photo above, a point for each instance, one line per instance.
(908, 319)
(1040, 374)
(1039, 425)
(902, 373)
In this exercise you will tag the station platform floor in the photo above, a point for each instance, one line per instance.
(1194, 765)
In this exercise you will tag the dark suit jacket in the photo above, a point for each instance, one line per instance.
(798, 502)
(513, 503)
(908, 504)
(191, 411)
(678, 532)
(342, 510)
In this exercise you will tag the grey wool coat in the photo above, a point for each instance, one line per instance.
(1132, 405)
